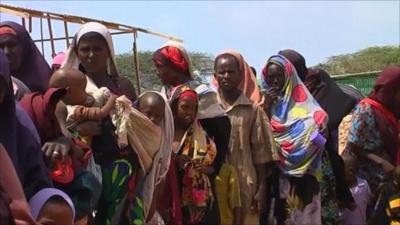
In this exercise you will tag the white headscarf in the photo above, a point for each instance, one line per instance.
(71, 59)
(161, 160)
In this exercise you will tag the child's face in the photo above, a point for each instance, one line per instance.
(186, 111)
(76, 94)
(152, 109)
(227, 73)
(55, 214)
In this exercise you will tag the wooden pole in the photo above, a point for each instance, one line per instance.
(136, 62)
(53, 50)
(41, 35)
(66, 33)
(23, 22)
(30, 24)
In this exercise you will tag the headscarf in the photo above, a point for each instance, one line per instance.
(162, 158)
(34, 70)
(248, 84)
(385, 107)
(173, 54)
(298, 62)
(59, 59)
(323, 88)
(71, 59)
(39, 200)
(19, 141)
(11, 185)
(295, 121)
(40, 108)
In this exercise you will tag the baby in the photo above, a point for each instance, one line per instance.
(138, 128)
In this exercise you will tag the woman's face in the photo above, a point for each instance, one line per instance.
(166, 74)
(93, 54)
(13, 50)
(276, 76)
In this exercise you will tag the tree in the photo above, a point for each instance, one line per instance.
(369, 59)
(201, 62)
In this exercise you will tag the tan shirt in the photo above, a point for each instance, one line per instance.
(250, 144)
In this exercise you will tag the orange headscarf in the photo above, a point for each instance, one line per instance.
(248, 85)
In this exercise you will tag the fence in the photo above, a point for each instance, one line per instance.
(362, 81)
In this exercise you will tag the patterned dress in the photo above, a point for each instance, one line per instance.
(365, 134)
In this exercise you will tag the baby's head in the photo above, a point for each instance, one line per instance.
(350, 166)
(152, 105)
(52, 207)
(74, 81)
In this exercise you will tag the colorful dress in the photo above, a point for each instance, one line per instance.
(365, 134)
(196, 194)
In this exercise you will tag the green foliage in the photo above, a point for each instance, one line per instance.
(201, 62)
(369, 59)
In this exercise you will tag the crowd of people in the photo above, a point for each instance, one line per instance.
(78, 146)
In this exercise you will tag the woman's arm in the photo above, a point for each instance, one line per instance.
(370, 157)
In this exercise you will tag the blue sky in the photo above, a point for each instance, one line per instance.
(257, 29)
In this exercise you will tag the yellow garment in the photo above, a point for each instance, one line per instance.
(228, 193)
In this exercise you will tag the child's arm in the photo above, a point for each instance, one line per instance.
(82, 113)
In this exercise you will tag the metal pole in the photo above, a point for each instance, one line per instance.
(136, 62)
(53, 50)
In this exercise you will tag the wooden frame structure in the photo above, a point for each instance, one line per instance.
(27, 16)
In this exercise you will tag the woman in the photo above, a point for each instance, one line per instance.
(25, 155)
(325, 91)
(92, 52)
(373, 136)
(195, 153)
(26, 62)
(174, 68)
(19, 213)
(297, 123)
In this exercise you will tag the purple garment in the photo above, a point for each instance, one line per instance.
(361, 194)
(19, 141)
(39, 200)
(34, 70)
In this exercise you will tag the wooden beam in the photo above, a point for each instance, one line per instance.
(66, 33)
(53, 50)
(63, 38)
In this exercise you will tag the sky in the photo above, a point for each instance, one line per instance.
(257, 29)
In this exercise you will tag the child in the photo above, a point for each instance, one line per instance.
(228, 195)
(251, 139)
(195, 154)
(360, 191)
(52, 207)
(132, 127)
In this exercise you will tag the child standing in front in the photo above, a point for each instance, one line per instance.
(251, 140)
(360, 191)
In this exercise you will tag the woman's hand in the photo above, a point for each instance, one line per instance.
(57, 149)
(181, 160)
(89, 128)
(271, 96)
(198, 165)
(260, 198)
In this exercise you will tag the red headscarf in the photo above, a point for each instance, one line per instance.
(171, 56)
(387, 109)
